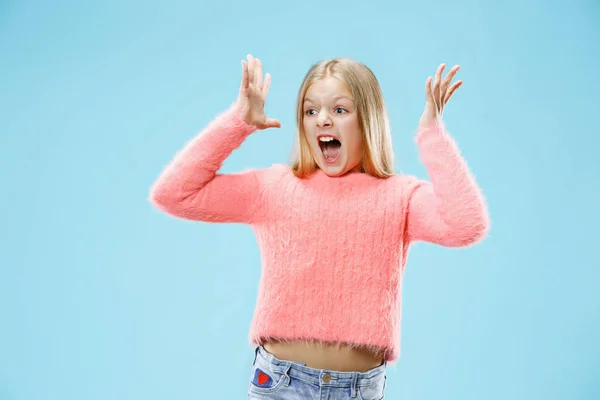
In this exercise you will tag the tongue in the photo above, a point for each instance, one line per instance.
(331, 149)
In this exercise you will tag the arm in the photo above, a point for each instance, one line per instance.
(450, 210)
(190, 186)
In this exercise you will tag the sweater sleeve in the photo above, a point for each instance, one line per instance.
(450, 210)
(190, 187)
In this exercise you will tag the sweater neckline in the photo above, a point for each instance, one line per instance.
(349, 179)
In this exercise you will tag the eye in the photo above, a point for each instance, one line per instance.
(340, 108)
(308, 112)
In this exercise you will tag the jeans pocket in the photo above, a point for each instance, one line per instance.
(266, 381)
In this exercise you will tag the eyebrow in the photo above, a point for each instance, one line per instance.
(336, 98)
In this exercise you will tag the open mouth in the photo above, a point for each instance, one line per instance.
(330, 147)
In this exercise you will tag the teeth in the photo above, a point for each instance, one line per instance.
(326, 138)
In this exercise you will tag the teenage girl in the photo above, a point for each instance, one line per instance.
(334, 228)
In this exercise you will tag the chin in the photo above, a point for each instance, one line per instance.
(333, 169)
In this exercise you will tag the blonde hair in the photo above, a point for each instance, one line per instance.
(378, 156)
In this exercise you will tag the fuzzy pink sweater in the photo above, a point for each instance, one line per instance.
(333, 249)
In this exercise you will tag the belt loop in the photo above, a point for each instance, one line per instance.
(255, 355)
(354, 388)
(286, 373)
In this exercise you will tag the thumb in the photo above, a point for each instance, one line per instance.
(428, 91)
(272, 123)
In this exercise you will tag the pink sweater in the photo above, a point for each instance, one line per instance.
(333, 249)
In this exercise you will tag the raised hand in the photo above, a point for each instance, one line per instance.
(253, 94)
(438, 96)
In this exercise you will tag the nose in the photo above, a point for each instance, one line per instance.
(323, 119)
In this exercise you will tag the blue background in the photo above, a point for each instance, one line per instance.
(103, 297)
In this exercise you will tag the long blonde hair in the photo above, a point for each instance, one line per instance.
(378, 156)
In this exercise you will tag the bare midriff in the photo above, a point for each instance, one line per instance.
(340, 357)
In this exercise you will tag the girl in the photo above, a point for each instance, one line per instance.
(334, 228)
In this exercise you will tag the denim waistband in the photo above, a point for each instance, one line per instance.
(319, 377)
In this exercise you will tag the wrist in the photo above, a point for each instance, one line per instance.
(241, 113)
(430, 121)
(431, 127)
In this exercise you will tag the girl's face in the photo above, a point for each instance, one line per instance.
(331, 127)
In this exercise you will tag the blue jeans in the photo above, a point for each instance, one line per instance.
(276, 379)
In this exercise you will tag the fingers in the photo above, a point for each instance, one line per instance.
(266, 85)
(245, 80)
(440, 94)
(448, 79)
(253, 73)
(250, 69)
(258, 72)
(450, 92)
(437, 94)
(254, 69)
